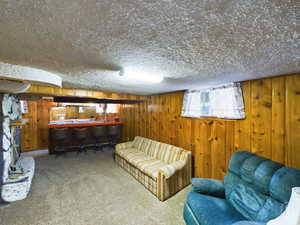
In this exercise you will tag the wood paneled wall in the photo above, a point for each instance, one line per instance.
(52, 91)
(35, 132)
(271, 129)
(72, 112)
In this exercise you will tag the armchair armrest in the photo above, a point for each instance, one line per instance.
(171, 169)
(124, 145)
(208, 186)
(249, 223)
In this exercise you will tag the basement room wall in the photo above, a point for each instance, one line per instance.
(271, 129)
(35, 132)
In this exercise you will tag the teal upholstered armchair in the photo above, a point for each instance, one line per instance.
(255, 190)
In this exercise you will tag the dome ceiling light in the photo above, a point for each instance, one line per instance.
(141, 76)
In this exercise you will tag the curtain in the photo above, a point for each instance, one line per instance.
(224, 101)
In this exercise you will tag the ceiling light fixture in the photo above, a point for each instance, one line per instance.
(141, 76)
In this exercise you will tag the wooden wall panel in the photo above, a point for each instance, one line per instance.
(261, 113)
(35, 132)
(30, 131)
(242, 127)
(293, 121)
(278, 119)
(52, 91)
(229, 142)
(218, 151)
(204, 156)
(43, 110)
(271, 128)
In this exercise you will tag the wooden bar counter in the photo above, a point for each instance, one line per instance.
(63, 134)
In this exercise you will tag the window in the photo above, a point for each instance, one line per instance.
(111, 108)
(223, 102)
(81, 109)
(100, 108)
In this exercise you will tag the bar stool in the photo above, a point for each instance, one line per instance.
(114, 134)
(61, 140)
(81, 134)
(99, 134)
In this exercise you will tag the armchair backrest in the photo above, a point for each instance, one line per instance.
(257, 187)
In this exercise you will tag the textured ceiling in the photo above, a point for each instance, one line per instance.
(191, 43)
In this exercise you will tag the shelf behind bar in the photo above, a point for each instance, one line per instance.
(72, 99)
(83, 124)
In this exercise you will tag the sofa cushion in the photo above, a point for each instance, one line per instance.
(208, 210)
(152, 167)
(143, 162)
(142, 144)
(263, 175)
(137, 158)
(249, 167)
(167, 153)
(155, 148)
(125, 152)
(138, 142)
(147, 146)
(237, 161)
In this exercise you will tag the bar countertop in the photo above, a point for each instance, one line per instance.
(80, 123)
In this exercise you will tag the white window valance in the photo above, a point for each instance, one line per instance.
(224, 101)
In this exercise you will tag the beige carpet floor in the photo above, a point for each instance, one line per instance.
(89, 189)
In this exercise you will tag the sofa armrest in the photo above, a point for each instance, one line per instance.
(170, 169)
(208, 186)
(24, 179)
(174, 177)
(124, 145)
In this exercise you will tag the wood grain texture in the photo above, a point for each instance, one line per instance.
(271, 128)
(30, 130)
(293, 121)
(242, 127)
(261, 117)
(278, 120)
(52, 91)
(35, 132)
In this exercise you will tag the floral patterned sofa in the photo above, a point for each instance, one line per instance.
(162, 168)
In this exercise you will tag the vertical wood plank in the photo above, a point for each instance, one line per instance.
(229, 145)
(242, 127)
(261, 117)
(202, 157)
(293, 121)
(197, 154)
(29, 131)
(278, 119)
(218, 151)
(205, 147)
(43, 107)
